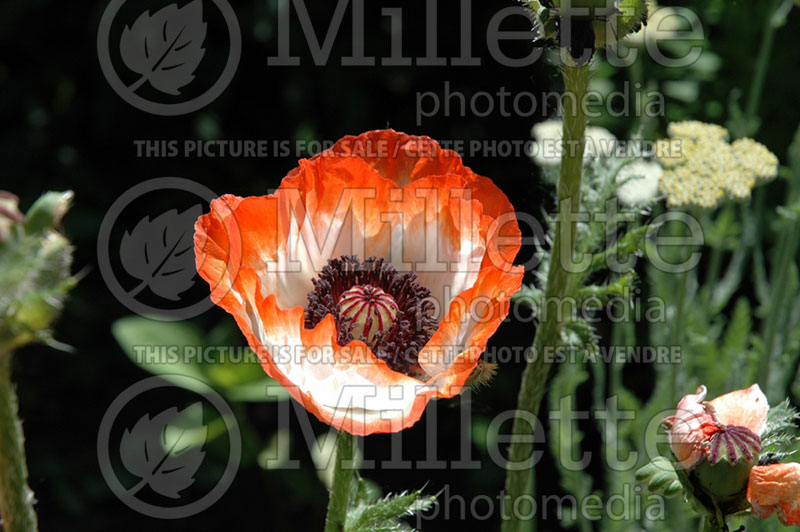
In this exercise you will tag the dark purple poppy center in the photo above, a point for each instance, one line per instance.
(371, 301)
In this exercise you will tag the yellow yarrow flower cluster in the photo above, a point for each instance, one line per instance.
(702, 167)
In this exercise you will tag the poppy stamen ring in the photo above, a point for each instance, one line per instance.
(391, 312)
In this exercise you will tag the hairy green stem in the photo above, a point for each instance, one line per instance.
(561, 283)
(343, 471)
(16, 498)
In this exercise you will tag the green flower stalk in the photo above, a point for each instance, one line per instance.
(577, 27)
(35, 278)
(561, 284)
(342, 479)
(16, 498)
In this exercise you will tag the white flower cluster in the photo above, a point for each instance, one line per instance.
(638, 182)
(548, 145)
(708, 168)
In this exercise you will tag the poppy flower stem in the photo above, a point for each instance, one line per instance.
(563, 280)
(16, 498)
(343, 471)
(713, 524)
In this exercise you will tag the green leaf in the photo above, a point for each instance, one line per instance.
(239, 375)
(159, 347)
(530, 295)
(737, 334)
(275, 455)
(580, 333)
(168, 349)
(187, 429)
(565, 435)
(385, 514)
(779, 437)
(660, 477)
(256, 391)
(364, 492)
(631, 243)
(622, 287)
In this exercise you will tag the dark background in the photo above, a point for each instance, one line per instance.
(63, 127)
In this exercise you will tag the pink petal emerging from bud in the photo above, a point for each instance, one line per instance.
(690, 429)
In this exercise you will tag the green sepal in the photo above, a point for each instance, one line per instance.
(47, 211)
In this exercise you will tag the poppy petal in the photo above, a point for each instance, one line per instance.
(776, 488)
(404, 159)
(455, 348)
(744, 408)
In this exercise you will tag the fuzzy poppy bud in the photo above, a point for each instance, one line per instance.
(581, 26)
(35, 274)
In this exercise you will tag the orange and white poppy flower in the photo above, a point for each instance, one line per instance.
(730, 428)
(370, 281)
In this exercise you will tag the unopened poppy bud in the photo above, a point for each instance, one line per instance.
(49, 283)
(35, 275)
(591, 24)
(47, 212)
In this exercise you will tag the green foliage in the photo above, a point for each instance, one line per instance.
(660, 477)
(371, 513)
(565, 436)
(580, 334)
(779, 440)
(170, 349)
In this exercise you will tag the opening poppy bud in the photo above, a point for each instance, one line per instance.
(717, 443)
(723, 476)
(369, 311)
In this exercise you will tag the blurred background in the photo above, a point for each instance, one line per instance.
(62, 126)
